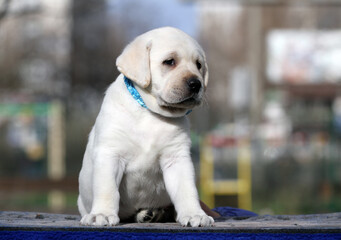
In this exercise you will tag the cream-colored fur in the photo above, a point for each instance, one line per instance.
(140, 158)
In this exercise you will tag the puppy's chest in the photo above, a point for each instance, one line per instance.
(143, 174)
(146, 151)
(148, 143)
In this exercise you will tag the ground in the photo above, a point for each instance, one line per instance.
(318, 222)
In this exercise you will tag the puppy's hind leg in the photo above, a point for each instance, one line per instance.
(148, 215)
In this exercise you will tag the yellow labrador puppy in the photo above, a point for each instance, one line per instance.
(138, 153)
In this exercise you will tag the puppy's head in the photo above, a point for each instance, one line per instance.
(169, 69)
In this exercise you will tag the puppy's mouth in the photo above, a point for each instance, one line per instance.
(187, 103)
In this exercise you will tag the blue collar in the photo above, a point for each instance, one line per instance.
(136, 95)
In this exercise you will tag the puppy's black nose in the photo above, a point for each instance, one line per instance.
(194, 85)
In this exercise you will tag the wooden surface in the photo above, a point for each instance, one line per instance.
(320, 223)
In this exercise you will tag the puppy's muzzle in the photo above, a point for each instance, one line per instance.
(194, 85)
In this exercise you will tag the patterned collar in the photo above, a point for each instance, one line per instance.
(133, 91)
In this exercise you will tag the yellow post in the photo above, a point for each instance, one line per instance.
(244, 175)
(206, 173)
(56, 154)
(56, 138)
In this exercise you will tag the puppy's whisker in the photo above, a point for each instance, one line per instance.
(205, 100)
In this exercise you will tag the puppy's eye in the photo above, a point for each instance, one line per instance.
(169, 62)
(198, 64)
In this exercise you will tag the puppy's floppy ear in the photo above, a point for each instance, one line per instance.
(134, 61)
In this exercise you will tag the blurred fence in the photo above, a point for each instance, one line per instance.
(33, 150)
(296, 175)
(214, 177)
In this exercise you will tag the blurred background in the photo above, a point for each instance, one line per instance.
(268, 137)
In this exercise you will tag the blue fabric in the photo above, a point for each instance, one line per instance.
(233, 212)
(70, 235)
(136, 95)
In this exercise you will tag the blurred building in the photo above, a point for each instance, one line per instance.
(274, 70)
(35, 47)
(239, 34)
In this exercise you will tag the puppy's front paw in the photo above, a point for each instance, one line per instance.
(100, 220)
(196, 220)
